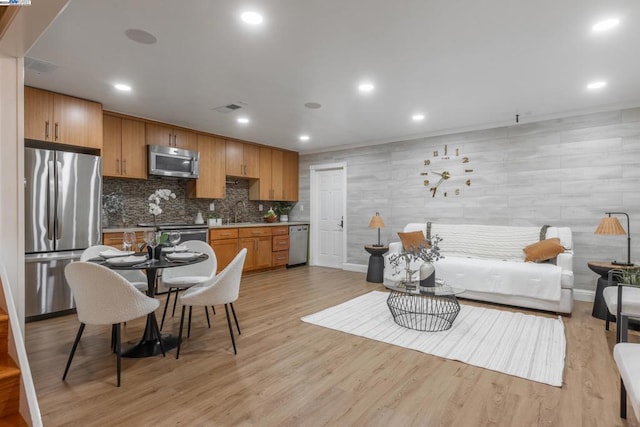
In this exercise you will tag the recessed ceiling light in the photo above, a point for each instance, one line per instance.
(417, 117)
(252, 18)
(243, 120)
(304, 137)
(313, 105)
(366, 87)
(140, 36)
(605, 25)
(123, 87)
(596, 85)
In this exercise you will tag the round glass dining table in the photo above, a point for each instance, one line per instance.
(149, 344)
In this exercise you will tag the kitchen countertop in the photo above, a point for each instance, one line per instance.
(122, 229)
(259, 224)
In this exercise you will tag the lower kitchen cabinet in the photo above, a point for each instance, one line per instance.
(225, 245)
(258, 252)
(266, 246)
(114, 239)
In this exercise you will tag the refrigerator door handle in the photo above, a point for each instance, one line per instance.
(58, 202)
(51, 199)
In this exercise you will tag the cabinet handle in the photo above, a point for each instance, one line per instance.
(118, 165)
(175, 140)
(124, 164)
(46, 129)
(56, 131)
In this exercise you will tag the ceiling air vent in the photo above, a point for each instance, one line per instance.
(38, 65)
(230, 108)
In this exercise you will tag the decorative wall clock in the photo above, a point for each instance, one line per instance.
(447, 174)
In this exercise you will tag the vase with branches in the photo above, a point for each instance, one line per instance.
(418, 258)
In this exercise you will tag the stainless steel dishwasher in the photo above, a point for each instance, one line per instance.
(298, 244)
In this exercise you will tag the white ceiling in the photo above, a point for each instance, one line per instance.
(464, 64)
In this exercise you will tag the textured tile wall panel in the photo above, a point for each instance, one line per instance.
(564, 172)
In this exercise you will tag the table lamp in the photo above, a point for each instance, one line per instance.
(377, 222)
(611, 226)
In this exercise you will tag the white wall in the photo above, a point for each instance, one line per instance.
(11, 177)
(563, 172)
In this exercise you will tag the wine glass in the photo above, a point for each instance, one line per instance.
(150, 240)
(128, 240)
(174, 238)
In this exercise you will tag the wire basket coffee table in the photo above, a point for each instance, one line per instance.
(424, 308)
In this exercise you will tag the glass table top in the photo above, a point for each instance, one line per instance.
(441, 288)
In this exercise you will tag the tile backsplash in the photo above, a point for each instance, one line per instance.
(125, 202)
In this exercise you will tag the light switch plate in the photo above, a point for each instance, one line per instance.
(212, 207)
(260, 207)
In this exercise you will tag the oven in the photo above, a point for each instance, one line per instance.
(187, 231)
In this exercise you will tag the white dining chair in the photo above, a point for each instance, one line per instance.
(177, 279)
(224, 289)
(103, 297)
(623, 301)
(627, 358)
(136, 277)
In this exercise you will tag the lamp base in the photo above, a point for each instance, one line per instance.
(622, 264)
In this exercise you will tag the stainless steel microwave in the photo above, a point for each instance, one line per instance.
(173, 162)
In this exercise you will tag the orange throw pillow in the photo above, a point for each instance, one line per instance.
(543, 250)
(413, 240)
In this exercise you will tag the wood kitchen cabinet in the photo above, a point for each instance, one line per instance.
(269, 185)
(225, 245)
(290, 176)
(279, 246)
(53, 117)
(257, 241)
(124, 151)
(242, 160)
(211, 182)
(115, 239)
(171, 137)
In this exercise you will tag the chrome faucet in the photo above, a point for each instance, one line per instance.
(235, 210)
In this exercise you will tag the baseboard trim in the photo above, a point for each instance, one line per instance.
(358, 268)
(584, 295)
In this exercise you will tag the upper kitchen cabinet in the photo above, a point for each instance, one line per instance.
(124, 152)
(62, 119)
(211, 182)
(171, 137)
(242, 160)
(269, 184)
(290, 176)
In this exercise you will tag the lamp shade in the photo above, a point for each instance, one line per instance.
(610, 225)
(376, 221)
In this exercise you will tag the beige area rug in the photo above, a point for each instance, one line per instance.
(523, 345)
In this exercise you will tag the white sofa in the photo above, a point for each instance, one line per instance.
(488, 262)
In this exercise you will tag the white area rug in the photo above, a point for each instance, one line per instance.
(523, 345)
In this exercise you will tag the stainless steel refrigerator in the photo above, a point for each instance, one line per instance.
(63, 193)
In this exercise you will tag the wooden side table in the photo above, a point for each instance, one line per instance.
(375, 272)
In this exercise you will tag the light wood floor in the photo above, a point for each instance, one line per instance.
(290, 373)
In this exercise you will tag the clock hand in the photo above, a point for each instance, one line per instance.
(435, 188)
(444, 174)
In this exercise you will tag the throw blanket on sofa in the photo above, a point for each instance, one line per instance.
(532, 280)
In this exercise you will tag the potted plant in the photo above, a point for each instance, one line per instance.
(270, 216)
(214, 219)
(283, 209)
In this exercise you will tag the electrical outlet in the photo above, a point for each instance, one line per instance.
(260, 207)
(212, 207)
(301, 208)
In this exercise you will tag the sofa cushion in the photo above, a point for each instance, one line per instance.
(543, 250)
(413, 240)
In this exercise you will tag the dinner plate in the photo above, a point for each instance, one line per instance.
(113, 253)
(181, 256)
(126, 261)
(170, 249)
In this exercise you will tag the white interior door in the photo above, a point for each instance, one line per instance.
(328, 221)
